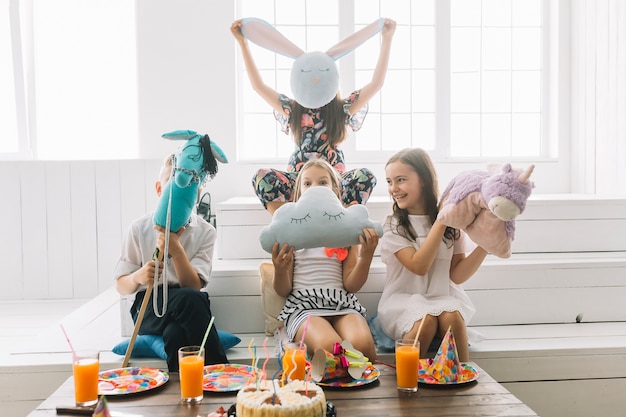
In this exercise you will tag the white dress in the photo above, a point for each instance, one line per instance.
(407, 297)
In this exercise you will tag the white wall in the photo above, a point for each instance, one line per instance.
(64, 220)
(187, 78)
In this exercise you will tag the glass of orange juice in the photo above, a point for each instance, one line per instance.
(191, 373)
(407, 365)
(86, 367)
(294, 361)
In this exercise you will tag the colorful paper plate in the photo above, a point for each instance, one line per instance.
(228, 377)
(467, 374)
(370, 374)
(132, 380)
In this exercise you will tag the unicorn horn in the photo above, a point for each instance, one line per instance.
(526, 174)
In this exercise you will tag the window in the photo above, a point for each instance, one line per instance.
(70, 68)
(466, 78)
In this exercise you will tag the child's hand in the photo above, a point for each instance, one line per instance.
(235, 29)
(175, 247)
(145, 274)
(369, 241)
(389, 27)
(282, 257)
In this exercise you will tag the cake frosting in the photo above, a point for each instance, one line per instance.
(270, 399)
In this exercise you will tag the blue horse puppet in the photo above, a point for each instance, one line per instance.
(193, 162)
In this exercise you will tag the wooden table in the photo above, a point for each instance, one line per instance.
(484, 397)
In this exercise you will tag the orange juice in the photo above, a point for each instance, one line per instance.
(294, 362)
(86, 381)
(407, 365)
(191, 369)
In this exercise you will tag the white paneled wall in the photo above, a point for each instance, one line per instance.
(64, 222)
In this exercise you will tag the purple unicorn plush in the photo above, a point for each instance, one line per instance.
(485, 205)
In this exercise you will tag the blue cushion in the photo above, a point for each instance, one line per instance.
(152, 346)
(383, 342)
(146, 346)
(228, 339)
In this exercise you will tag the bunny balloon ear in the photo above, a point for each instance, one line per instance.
(349, 43)
(265, 35)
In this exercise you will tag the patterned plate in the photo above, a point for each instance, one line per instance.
(228, 377)
(370, 374)
(132, 380)
(468, 374)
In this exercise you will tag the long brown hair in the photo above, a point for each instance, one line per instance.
(420, 162)
(334, 121)
(321, 163)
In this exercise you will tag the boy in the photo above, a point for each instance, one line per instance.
(188, 270)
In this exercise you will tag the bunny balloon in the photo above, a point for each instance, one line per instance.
(314, 75)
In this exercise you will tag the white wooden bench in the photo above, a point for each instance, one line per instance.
(527, 307)
(569, 264)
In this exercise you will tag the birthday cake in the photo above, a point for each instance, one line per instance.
(270, 399)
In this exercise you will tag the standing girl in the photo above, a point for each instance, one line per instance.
(317, 132)
(426, 261)
(322, 286)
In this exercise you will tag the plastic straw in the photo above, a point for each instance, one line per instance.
(419, 330)
(68, 342)
(206, 335)
(306, 326)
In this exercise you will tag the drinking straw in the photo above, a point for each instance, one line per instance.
(383, 363)
(206, 335)
(306, 326)
(69, 342)
(419, 329)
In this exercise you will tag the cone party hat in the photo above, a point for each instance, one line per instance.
(102, 408)
(446, 367)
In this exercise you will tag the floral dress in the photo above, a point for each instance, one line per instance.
(273, 185)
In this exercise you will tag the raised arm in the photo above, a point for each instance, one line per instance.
(419, 261)
(356, 266)
(265, 91)
(282, 258)
(378, 78)
(462, 267)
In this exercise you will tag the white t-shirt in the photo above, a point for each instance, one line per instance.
(198, 240)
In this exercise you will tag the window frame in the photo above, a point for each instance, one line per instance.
(554, 125)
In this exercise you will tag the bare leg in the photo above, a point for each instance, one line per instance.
(455, 321)
(354, 328)
(429, 330)
(320, 334)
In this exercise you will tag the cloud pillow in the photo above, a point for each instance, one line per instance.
(316, 220)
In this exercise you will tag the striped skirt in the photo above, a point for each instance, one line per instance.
(317, 302)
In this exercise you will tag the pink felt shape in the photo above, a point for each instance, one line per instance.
(485, 205)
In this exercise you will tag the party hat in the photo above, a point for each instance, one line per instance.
(446, 367)
(325, 366)
(102, 408)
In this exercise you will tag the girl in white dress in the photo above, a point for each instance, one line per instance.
(320, 285)
(426, 261)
